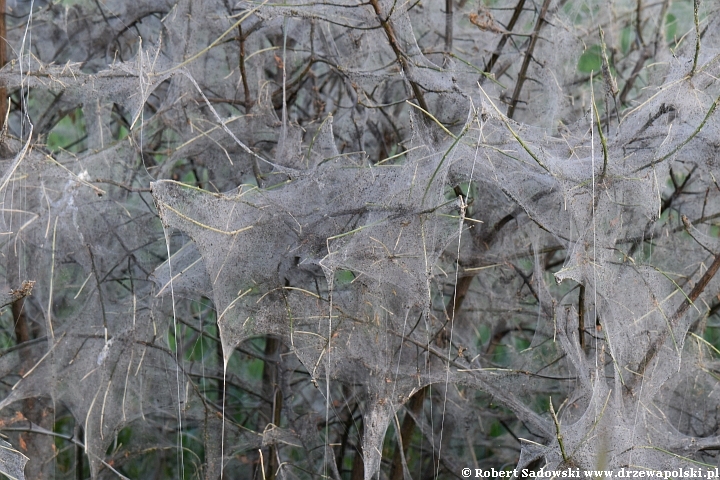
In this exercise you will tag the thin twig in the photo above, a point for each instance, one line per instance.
(243, 74)
(123, 186)
(399, 54)
(515, 135)
(557, 431)
(581, 316)
(504, 38)
(684, 306)
(603, 141)
(33, 428)
(647, 50)
(449, 25)
(526, 61)
(696, 7)
(687, 140)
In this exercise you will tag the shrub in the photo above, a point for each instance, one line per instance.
(368, 240)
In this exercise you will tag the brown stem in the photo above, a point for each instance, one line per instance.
(416, 402)
(581, 317)
(504, 38)
(646, 50)
(272, 390)
(243, 74)
(348, 420)
(526, 61)
(123, 186)
(461, 290)
(674, 320)
(666, 203)
(414, 406)
(644, 55)
(399, 54)
(358, 468)
(448, 25)
(291, 89)
(79, 454)
(35, 411)
(638, 21)
(22, 333)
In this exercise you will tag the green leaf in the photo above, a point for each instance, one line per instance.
(591, 60)
(343, 277)
(626, 36)
(670, 27)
